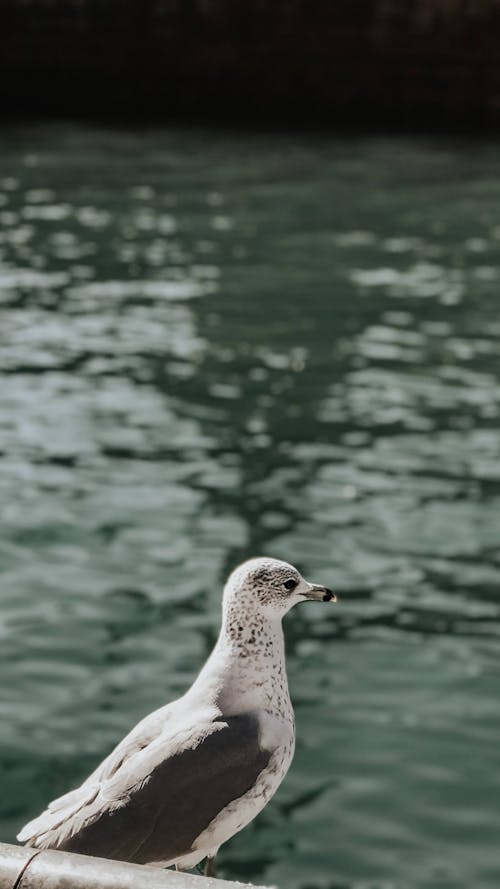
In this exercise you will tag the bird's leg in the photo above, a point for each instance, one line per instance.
(210, 869)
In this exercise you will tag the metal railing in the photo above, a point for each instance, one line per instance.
(22, 867)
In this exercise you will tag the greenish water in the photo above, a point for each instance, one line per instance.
(216, 347)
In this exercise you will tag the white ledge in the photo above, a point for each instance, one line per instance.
(22, 867)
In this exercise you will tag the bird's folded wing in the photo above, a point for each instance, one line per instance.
(64, 807)
(154, 803)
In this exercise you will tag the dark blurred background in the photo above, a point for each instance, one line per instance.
(390, 63)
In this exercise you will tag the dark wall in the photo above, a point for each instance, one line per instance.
(395, 63)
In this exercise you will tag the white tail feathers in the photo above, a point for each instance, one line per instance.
(38, 832)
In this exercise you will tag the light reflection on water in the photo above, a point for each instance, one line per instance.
(218, 347)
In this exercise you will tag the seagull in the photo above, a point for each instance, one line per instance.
(193, 773)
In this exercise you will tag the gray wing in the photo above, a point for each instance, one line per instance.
(154, 809)
(41, 830)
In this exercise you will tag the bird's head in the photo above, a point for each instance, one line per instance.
(271, 587)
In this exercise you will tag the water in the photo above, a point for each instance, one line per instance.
(218, 346)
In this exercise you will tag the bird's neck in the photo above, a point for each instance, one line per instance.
(252, 636)
(246, 669)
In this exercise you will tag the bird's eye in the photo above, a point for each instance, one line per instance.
(290, 584)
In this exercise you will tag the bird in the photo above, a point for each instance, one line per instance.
(196, 771)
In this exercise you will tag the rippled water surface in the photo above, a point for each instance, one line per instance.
(217, 346)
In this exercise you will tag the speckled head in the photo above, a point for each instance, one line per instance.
(271, 587)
